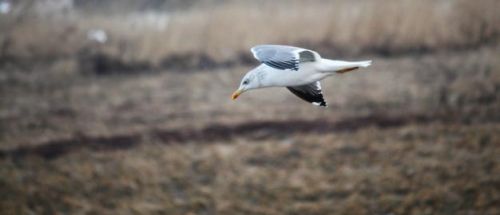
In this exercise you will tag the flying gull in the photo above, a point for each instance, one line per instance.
(297, 69)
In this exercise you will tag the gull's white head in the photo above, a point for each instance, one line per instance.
(251, 80)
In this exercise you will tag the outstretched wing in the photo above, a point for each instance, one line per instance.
(310, 92)
(283, 57)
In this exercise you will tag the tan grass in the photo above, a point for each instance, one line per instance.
(387, 25)
(445, 165)
(221, 31)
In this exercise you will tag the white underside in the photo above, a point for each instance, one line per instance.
(308, 72)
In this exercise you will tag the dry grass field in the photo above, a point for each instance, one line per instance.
(144, 124)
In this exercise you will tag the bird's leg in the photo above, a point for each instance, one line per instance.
(347, 70)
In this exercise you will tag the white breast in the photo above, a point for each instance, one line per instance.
(306, 74)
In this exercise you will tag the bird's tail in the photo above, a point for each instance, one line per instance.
(365, 63)
(343, 66)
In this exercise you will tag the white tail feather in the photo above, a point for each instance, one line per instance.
(327, 65)
(364, 63)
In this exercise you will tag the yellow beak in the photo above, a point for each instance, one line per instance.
(236, 94)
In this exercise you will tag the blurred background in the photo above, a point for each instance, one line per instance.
(123, 107)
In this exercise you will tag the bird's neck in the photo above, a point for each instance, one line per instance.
(270, 77)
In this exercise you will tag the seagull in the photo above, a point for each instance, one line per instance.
(299, 70)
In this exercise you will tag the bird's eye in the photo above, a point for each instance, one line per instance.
(245, 82)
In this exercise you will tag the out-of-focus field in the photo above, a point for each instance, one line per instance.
(143, 123)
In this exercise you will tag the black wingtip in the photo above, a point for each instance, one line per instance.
(320, 104)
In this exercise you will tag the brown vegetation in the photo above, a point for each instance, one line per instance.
(143, 124)
(224, 33)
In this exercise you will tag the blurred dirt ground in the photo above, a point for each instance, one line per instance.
(406, 136)
(91, 128)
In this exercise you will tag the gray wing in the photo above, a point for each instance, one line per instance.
(283, 57)
(310, 92)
